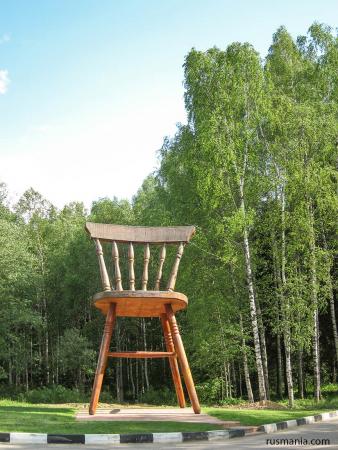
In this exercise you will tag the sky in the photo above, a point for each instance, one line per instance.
(90, 88)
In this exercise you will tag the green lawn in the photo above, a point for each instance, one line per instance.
(260, 416)
(26, 417)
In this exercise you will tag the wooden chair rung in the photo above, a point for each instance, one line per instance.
(141, 354)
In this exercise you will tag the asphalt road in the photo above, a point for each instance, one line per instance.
(318, 431)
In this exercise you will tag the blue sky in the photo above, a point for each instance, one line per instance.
(95, 85)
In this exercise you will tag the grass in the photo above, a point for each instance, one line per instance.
(25, 417)
(42, 418)
(302, 408)
(260, 416)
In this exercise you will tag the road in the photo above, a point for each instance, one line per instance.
(320, 431)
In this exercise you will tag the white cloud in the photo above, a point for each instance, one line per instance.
(5, 38)
(106, 156)
(4, 81)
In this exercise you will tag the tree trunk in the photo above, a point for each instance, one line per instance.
(31, 357)
(314, 300)
(119, 379)
(263, 347)
(279, 368)
(300, 374)
(286, 309)
(131, 375)
(230, 379)
(44, 303)
(10, 371)
(278, 288)
(334, 323)
(334, 372)
(57, 357)
(146, 375)
(226, 380)
(240, 381)
(137, 380)
(316, 357)
(332, 308)
(245, 364)
(253, 312)
(234, 380)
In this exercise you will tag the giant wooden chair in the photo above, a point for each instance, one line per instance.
(117, 302)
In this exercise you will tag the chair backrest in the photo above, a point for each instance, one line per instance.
(131, 235)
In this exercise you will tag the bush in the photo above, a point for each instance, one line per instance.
(162, 396)
(209, 392)
(54, 394)
(331, 388)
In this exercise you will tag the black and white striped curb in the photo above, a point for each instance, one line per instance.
(147, 438)
(140, 438)
(272, 427)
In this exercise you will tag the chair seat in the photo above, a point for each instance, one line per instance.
(140, 303)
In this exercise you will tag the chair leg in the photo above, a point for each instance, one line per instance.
(173, 361)
(102, 361)
(182, 357)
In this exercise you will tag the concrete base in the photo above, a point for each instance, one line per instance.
(153, 415)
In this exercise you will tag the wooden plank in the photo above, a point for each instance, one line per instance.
(141, 354)
(153, 235)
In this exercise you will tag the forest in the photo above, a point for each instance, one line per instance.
(254, 169)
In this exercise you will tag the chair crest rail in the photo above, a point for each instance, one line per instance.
(138, 235)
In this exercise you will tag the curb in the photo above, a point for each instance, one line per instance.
(147, 438)
(273, 427)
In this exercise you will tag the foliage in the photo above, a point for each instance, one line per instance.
(54, 394)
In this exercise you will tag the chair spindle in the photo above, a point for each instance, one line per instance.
(145, 267)
(131, 267)
(174, 270)
(160, 267)
(103, 270)
(118, 279)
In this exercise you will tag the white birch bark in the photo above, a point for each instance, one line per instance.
(253, 312)
(314, 300)
(245, 364)
(285, 310)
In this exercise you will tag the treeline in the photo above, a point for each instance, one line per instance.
(255, 170)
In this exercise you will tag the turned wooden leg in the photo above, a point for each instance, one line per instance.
(173, 361)
(102, 361)
(182, 357)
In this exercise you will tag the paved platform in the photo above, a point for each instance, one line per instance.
(153, 414)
